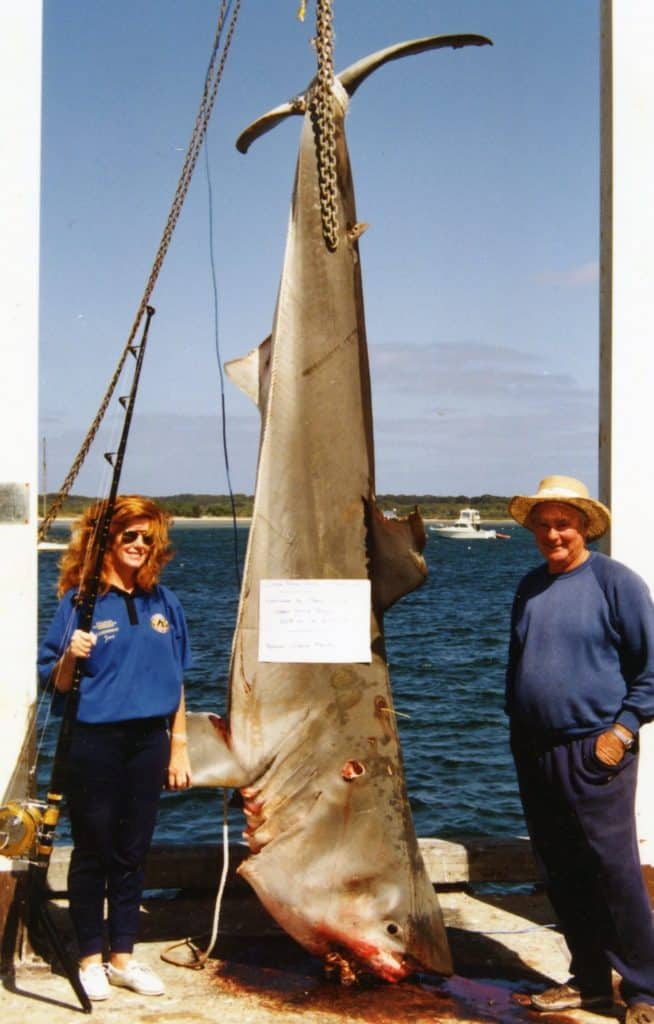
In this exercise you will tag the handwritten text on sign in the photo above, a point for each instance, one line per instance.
(314, 621)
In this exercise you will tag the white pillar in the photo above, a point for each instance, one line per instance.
(20, 144)
(627, 313)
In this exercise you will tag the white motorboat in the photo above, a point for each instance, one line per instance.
(467, 527)
(51, 545)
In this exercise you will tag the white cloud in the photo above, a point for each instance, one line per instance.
(475, 419)
(449, 418)
(573, 277)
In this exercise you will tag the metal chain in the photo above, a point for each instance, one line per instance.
(211, 83)
(321, 107)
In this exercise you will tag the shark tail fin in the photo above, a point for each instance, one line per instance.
(353, 76)
(268, 121)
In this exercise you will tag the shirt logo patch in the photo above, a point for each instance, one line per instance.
(106, 629)
(159, 623)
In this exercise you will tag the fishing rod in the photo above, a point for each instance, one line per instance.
(27, 828)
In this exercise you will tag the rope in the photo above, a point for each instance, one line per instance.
(223, 411)
(200, 957)
(211, 84)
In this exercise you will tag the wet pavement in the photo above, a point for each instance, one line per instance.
(503, 948)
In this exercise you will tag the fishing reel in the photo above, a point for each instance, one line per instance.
(21, 823)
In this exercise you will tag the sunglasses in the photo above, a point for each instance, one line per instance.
(129, 536)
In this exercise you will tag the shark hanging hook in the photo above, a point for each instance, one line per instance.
(314, 748)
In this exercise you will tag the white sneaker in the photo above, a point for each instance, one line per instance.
(136, 976)
(94, 982)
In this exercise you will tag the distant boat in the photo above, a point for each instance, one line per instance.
(51, 545)
(468, 527)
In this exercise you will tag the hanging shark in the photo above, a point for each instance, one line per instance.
(314, 747)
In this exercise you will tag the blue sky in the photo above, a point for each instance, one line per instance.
(477, 171)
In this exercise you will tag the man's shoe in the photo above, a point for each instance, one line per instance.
(640, 1013)
(570, 997)
(138, 977)
(94, 982)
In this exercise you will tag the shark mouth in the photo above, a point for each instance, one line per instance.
(362, 963)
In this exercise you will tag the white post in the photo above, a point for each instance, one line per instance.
(20, 145)
(627, 313)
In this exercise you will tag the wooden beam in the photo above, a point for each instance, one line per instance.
(476, 859)
(451, 862)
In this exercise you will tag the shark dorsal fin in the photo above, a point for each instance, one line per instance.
(251, 373)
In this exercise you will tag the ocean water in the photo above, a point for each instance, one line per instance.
(446, 647)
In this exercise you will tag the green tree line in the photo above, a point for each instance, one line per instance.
(197, 506)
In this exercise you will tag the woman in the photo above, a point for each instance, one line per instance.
(130, 727)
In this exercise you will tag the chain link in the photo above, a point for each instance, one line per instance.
(322, 112)
(211, 83)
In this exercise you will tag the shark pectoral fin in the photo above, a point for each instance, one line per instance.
(212, 760)
(395, 552)
(251, 373)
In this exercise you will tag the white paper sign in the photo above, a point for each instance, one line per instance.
(314, 621)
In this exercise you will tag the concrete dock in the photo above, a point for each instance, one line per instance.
(504, 946)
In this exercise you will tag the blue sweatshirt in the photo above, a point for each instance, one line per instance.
(136, 668)
(581, 655)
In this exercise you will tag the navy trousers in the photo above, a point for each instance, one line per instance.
(115, 777)
(581, 821)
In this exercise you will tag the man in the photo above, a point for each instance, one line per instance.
(580, 683)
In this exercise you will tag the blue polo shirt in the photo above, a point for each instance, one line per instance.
(136, 668)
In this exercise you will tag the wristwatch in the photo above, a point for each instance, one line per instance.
(626, 743)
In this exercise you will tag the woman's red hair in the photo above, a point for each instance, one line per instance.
(78, 561)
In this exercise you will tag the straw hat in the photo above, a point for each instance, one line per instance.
(564, 490)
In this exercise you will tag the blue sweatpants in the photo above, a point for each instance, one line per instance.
(581, 821)
(115, 776)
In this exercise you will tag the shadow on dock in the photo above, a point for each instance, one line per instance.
(503, 942)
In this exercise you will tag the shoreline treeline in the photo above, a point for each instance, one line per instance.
(198, 506)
